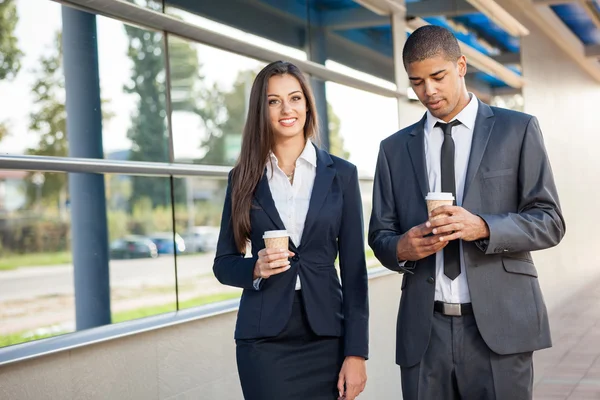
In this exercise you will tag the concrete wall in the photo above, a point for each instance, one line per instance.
(189, 361)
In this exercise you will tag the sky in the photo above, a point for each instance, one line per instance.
(365, 118)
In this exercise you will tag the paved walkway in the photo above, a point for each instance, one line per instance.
(571, 368)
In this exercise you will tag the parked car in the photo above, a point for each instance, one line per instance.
(202, 238)
(133, 247)
(164, 242)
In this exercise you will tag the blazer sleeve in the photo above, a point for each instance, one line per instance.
(384, 230)
(230, 266)
(538, 224)
(353, 272)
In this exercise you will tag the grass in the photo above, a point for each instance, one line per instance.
(14, 261)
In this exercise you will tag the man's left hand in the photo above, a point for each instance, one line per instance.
(457, 223)
(352, 378)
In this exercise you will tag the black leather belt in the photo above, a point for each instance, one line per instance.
(453, 309)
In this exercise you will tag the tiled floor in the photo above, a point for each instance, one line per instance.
(571, 368)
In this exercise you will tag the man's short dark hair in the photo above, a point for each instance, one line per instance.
(430, 41)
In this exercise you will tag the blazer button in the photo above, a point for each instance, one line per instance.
(295, 258)
(431, 280)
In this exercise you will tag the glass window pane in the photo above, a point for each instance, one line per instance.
(131, 62)
(36, 274)
(141, 246)
(38, 217)
(198, 215)
(210, 88)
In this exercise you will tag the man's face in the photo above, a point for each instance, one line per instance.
(439, 84)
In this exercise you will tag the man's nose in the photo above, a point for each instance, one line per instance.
(430, 88)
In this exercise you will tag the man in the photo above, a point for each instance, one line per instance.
(471, 312)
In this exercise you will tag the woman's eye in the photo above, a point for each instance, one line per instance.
(271, 102)
(296, 98)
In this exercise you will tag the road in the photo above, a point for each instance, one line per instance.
(31, 282)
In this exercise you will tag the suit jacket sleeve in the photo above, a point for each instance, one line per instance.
(538, 223)
(384, 229)
(353, 272)
(230, 266)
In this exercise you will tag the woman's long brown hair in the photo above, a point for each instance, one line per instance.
(257, 142)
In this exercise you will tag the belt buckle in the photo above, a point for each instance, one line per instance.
(452, 309)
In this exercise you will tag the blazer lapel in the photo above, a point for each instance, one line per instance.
(483, 128)
(416, 150)
(264, 197)
(323, 180)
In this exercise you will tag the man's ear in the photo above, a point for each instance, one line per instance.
(462, 66)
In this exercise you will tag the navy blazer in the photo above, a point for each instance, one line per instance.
(334, 225)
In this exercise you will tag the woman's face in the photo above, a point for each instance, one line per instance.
(287, 106)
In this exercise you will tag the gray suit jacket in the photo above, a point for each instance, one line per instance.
(510, 185)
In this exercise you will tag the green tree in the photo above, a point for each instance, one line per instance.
(336, 141)
(148, 131)
(49, 121)
(10, 54)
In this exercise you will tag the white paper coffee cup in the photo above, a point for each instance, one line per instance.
(438, 199)
(276, 239)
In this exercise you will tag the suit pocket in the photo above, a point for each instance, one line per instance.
(516, 266)
(500, 172)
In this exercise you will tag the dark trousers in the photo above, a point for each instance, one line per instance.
(459, 365)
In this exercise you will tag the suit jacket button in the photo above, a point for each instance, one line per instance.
(295, 258)
(430, 280)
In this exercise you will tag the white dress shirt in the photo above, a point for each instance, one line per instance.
(447, 290)
(292, 200)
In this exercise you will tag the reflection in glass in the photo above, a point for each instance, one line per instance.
(198, 217)
(36, 275)
(141, 248)
(210, 91)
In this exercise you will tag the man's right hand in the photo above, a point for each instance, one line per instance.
(272, 262)
(413, 245)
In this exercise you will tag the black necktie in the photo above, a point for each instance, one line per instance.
(451, 251)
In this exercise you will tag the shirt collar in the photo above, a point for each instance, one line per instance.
(309, 154)
(467, 116)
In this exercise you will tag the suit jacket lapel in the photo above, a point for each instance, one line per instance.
(264, 197)
(481, 133)
(416, 150)
(323, 180)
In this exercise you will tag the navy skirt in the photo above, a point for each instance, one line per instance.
(295, 365)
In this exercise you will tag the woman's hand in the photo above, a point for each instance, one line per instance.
(272, 262)
(352, 378)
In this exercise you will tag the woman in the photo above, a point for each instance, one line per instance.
(299, 333)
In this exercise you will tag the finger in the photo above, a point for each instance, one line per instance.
(434, 248)
(448, 228)
(442, 220)
(340, 384)
(277, 256)
(276, 271)
(444, 210)
(274, 251)
(279, 263)
(420, 230)
(453, 236)
(352, 391)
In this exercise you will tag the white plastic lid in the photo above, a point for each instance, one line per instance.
(439, 196)
(275, 234)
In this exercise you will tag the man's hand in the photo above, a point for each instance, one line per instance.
(413, 246)
(457, 223)
(352, 378)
